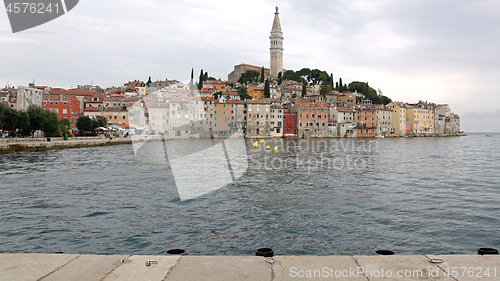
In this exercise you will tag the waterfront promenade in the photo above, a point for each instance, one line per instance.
(8, 145)
(46, 267)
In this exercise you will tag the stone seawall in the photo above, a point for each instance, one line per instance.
(13, 145)
(45, 267)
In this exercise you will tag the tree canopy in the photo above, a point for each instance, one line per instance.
(51, 125)
(84, 123)
(312, 77)
(242, 92)
(249, 76)
(25, 123)
(369, 92)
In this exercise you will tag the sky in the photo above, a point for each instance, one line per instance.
(443, 51)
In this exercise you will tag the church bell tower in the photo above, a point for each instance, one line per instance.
(276, 49)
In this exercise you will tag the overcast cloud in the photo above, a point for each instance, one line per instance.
(439, 51)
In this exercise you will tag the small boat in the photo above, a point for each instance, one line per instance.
(379, 136)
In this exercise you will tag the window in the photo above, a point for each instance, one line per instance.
(65, 111)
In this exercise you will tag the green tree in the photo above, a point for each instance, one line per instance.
(64, 125)
(84, 123)
(191, 85)
(216, 95)
(325, 89)
(101, 121)
(341, 86)
(304, 89)
(262, 75)
(37, 118)
(280, 78)
(11, 116)
(200, 80)
(3, 109)
(95, 123)
(249, 76)
(242, 92)
(149, 81)
(23, 124)
(51, 124)
(267, 89)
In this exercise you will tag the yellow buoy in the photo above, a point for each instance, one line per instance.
(268, 147)
(261, 141)
(256, 145)
(275, 149)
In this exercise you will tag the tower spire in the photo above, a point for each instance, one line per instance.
(276, 48)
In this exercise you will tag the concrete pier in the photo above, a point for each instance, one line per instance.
(40, 144)
(46, 267)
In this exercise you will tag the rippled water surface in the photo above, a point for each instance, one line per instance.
(319, 196)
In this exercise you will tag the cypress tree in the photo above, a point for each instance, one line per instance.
(200, 80)
(304, 89)
(341, 88)
(262, 75)
(191, 86)
(267, 89)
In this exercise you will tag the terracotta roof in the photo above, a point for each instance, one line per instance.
(91, 109)
(343, 109)
(73, 92)
(260, 67)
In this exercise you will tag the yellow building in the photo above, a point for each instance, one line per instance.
(141, 91)
(255, 92)
(398, 117)
(421, 118)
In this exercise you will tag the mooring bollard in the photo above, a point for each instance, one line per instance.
(176, 252)
(264, 252)
(487, 251)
